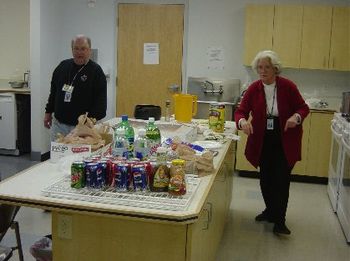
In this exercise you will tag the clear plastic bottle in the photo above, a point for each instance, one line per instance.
(129, 133)
(167, 110)
(141, 149)
(153, 135)
(120, 144)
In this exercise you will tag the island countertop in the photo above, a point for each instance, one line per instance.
(25, 189)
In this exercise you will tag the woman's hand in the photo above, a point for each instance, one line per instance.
(293, 121)
(246, 127)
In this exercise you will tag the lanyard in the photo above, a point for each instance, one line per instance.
(273, 102)
(77, 74)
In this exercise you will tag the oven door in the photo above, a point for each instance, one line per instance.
(334, 167)
(344, 191)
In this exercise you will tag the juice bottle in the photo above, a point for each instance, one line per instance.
(177, 183)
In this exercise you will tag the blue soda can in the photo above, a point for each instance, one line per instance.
(99, 180)
(121, 177)
(104, 168)
(91, 174)
(139, 177)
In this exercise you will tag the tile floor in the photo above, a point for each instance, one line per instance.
(316, 233)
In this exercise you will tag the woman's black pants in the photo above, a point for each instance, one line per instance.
(274, 175)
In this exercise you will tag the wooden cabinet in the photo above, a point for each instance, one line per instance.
(339, 58)
(287, 32)
(319, 144)
(301, 38)
(258, 30)
(315, 147)
(315, 45)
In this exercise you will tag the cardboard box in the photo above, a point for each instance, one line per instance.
(60, 150)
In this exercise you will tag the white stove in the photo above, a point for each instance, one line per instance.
(339, 171)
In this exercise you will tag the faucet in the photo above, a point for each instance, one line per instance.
(205, 87)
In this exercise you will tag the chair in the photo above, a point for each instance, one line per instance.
(144, 111)
(7, 216)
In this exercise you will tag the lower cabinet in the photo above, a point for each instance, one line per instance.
(316, 145)
(205, 235)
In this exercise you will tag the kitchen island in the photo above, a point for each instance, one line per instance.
(85, 230)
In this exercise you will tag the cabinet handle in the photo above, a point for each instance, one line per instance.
(209, 215)
(333, 62)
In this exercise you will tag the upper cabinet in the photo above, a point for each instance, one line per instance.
(301, 38)
(287, 34)
(258, 30)
(315, 44)
(339, 58)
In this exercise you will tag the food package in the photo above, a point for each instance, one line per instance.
(87, 133)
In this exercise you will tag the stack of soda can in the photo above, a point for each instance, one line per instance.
(111, 172)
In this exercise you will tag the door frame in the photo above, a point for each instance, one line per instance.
(184, 41)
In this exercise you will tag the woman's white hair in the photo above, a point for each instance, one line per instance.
(272, 56)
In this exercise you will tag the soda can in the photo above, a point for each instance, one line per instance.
(101, 175)
(91, 174)
(122, 177)
(77, 174)
(139, 177)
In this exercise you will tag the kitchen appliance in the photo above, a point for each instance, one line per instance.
(334, 171)
(345, 108)
(339, 171)
(15, 134)
(8, 122)
(344, 184)
(185, 107)
(208, 91)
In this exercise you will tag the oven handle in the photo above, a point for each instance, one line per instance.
(335, 133)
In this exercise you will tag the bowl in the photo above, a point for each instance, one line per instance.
(17, 84)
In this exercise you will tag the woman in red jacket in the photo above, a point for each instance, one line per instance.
(276, 110)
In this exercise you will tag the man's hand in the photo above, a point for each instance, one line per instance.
(48, 120)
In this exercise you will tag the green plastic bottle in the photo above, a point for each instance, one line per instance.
(129, 133)
(153, 135)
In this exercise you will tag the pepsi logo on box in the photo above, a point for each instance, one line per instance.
(60, 150)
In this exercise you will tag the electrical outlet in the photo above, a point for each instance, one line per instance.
(64, 226)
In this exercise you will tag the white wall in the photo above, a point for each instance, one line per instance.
(207, 23)
(14, 39)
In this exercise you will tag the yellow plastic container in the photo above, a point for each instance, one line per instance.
(185, 106)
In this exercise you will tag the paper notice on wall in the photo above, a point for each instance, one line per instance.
(215, 58)
(151, 53)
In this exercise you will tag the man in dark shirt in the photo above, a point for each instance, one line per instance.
(78, 86)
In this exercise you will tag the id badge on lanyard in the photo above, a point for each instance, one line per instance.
(269, 123)
(68, 89)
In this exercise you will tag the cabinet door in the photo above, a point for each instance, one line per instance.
(340, 51)
(300, 166)
(258, 30)
(319, 144)
(287, 34)
(315, 38)
(241, 162)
